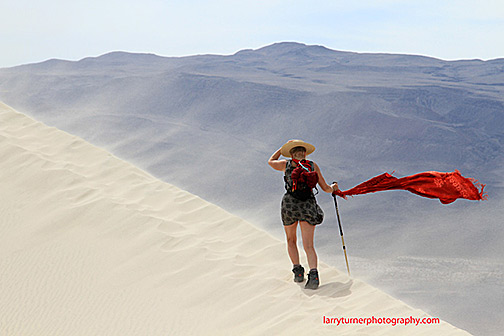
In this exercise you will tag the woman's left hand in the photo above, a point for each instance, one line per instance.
(334, 186)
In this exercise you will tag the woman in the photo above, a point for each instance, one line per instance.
(305, 212)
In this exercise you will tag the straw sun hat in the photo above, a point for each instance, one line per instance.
(296, 143)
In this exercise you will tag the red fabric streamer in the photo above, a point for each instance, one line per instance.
(447, 187)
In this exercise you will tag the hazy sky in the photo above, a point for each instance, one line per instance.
(34, 31)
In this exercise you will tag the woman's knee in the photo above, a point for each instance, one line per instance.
(292, 242)
(308, 245)
(292, 239)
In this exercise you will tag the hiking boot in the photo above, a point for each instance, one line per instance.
(313, 280)
(298, 273)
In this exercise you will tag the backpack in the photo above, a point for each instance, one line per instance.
(303, 179)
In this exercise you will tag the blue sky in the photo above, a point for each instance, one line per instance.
(34, 31)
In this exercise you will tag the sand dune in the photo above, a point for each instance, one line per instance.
(91, 245)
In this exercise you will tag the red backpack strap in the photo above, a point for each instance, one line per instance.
(307, 164)
(312, 165)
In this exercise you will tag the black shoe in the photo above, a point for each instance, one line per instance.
(313, 280)
(298, 273)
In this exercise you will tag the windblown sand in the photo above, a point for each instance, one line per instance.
(91, 245)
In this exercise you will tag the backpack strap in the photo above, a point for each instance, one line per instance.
(288, 186)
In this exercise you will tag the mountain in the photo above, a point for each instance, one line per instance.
(208, 124)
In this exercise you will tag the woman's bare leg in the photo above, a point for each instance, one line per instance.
(290, 232)
(307, 232)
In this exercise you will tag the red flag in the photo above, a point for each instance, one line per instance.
(447, 187)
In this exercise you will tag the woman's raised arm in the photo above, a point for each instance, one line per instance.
(275, 163)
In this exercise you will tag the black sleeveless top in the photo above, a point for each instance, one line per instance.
(294, 210)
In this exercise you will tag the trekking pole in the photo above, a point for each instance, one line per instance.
(341, 232)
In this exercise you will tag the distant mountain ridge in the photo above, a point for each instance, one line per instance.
(391, 108)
